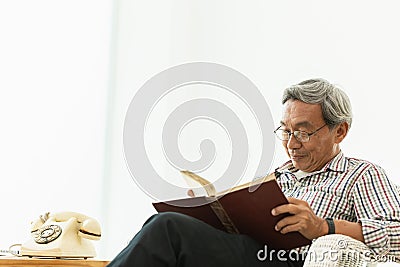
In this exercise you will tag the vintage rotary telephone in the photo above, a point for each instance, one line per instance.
(62, 235)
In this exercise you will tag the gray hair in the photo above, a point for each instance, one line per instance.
(335, 104)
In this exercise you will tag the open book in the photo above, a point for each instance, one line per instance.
(239, 210)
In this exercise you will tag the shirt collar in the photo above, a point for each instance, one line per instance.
(337, 164)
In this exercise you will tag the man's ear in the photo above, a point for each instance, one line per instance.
(341, 132)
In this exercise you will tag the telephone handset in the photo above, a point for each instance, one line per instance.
(63, 234)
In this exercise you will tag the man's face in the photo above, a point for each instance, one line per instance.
(323, 145)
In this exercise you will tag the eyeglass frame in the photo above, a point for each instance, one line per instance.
(293, 133)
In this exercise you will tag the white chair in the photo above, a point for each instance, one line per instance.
(340, 251)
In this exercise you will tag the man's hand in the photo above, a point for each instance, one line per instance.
(302, 219)
(190, 193)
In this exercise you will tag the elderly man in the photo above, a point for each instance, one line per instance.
(327, 193)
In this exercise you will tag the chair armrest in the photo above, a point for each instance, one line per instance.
(336, 250)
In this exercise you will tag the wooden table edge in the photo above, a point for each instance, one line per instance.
(26, 261)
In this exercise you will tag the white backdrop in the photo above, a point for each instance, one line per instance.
(54, 69)
(59, 124)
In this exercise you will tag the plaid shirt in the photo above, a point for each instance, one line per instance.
(353, 190)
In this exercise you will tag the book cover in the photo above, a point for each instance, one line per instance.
(243, 212)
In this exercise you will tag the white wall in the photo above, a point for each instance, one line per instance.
(62, 129)
(275, 44)
(54, 69)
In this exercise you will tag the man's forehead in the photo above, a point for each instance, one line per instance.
(301, 114)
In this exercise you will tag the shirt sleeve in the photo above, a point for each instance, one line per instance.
(377, 206)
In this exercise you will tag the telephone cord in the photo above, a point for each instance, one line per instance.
(11, 251)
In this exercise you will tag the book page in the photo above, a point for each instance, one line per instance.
(210, 189)
(208, 186)
(255, 182)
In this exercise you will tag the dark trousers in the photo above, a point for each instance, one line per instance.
(172, 239)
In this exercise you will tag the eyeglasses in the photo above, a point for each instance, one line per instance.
(300, 136)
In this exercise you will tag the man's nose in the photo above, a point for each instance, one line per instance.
(293, 143)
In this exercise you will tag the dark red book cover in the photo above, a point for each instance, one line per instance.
(249, 211)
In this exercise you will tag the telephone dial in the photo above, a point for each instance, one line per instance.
(62, 235)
